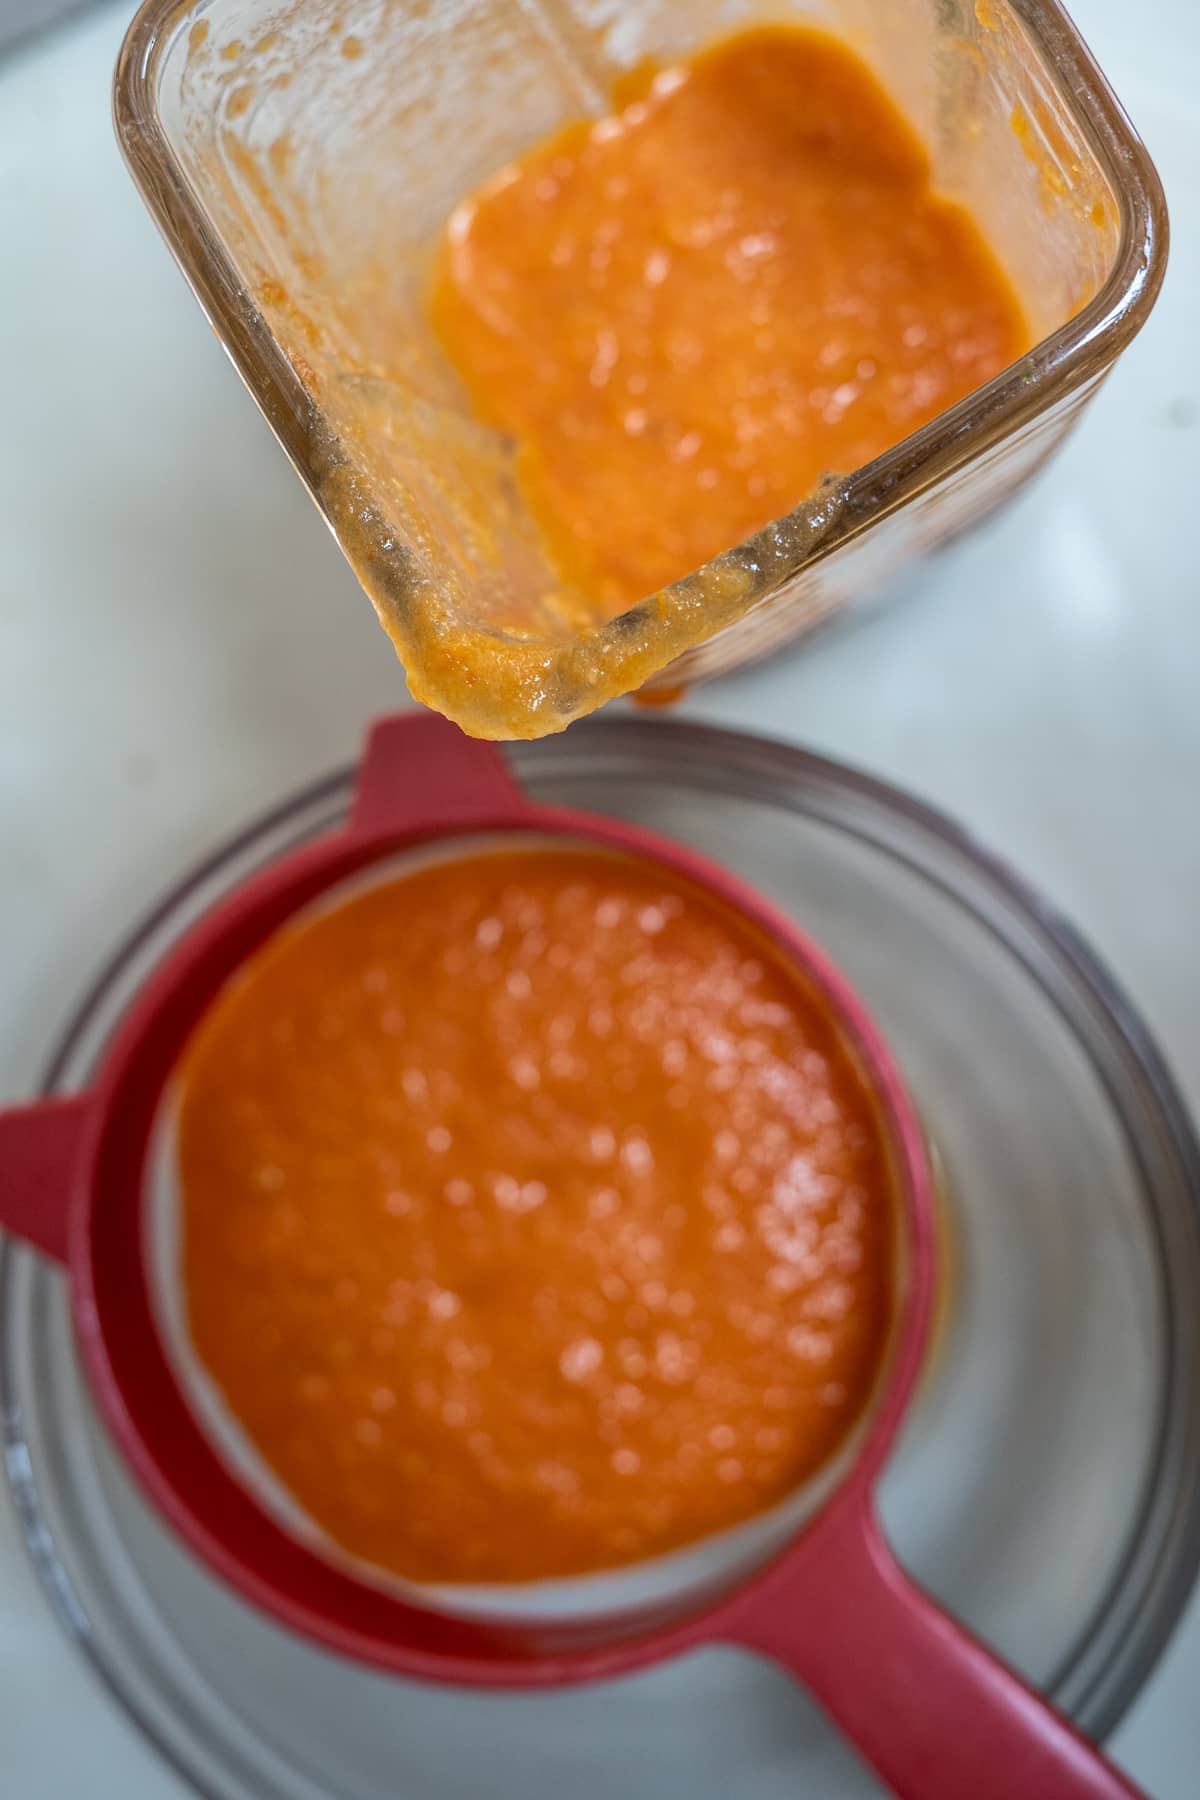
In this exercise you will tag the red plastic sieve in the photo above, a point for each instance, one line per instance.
(936, 1714)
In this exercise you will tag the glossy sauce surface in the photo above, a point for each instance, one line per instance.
(687, 313)
(534, 1218)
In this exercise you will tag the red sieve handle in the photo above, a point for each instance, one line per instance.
(41, 1157)
(937, 1715)
(419, 772)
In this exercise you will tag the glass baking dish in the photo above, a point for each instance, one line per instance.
(301, 157)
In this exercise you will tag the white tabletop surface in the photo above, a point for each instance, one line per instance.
(181, 643)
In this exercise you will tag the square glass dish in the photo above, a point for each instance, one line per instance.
(301, 156)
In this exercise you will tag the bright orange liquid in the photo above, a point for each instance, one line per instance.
(534, 1218)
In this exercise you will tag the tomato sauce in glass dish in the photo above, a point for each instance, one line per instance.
(686, 314)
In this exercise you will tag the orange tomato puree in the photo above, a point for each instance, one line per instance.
(535, 1219)
(689, 312)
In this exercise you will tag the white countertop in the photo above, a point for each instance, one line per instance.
(181, 643)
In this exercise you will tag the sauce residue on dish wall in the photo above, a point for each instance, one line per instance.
(535, 1217)
(431, 503)
(686, 314)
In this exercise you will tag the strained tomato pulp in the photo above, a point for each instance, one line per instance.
(535, 1217)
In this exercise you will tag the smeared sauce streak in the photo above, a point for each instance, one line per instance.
(688, 313)
(535, 1219)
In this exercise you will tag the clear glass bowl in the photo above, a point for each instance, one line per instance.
(301, 157)
(1047, 1486)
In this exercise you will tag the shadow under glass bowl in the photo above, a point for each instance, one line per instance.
(1047, 1484)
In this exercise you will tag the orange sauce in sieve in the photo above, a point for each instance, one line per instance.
(535, 1218)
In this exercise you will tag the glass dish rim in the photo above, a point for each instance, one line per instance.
(1166, 1584)
(1060, 364)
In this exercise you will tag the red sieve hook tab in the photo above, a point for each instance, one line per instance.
(41, 1159)
(419, 772)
